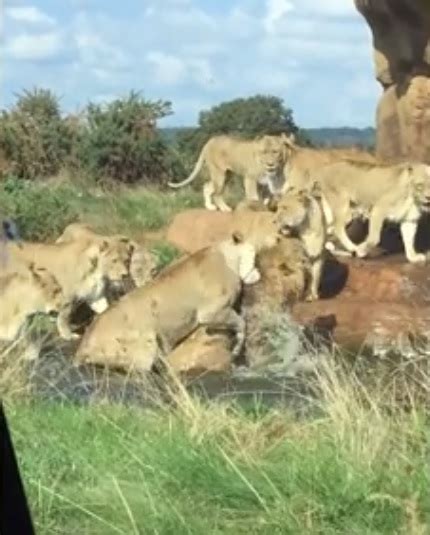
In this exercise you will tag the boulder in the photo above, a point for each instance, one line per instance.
(401, 41)
(197, 228)
(202, 352)
(384, 303)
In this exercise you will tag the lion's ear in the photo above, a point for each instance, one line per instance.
(289, 140)
(237, 237)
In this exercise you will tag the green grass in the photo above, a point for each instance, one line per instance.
(43, 210)
(221, 469)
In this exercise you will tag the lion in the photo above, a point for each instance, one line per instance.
(25, 289)
(259, 161)
(143, 266)
(149, 322)
(399, 193)
(300, 214)
(81, 268)
(303, 162)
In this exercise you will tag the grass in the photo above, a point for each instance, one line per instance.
(219, 468)
(43, 210)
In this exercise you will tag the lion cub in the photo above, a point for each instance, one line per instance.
(25, 289)
(200, 289)
(81, 269)
(300, 214)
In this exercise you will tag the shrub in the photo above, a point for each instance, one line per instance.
(40, 212)
(33, 136)
(121, 141)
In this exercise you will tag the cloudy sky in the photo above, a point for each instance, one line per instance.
(315, 54)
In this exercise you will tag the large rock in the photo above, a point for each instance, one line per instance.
(383, 303)
(194, 229)
(202, 352)
(401, 40)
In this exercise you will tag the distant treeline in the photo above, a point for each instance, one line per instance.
(319, 137)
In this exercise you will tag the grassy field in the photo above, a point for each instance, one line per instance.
(218, 468)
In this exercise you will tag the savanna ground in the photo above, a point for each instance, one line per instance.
(359, 465)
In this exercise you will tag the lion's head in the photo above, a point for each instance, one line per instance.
(420, 181)
(272, 154)
(46, 288)
(292, 210)
(115, 256)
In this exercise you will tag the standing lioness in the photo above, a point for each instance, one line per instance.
(259, 161)
(398, 193)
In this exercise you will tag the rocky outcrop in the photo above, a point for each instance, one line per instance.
(384, 304)
(401, 40)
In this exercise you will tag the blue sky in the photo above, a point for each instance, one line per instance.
(315, 54)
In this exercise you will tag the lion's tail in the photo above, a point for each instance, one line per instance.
(195, 172)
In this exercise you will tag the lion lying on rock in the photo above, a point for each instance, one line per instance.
(259, 161)
(150, 321)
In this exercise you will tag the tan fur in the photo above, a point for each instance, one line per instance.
(81, 269)
(398, 193)
(302, 162)
(25, 289)
(150, 321)
(259, 161)
(261, 227)
(299, 213)
(142, 264)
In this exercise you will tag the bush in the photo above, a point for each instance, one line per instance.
(41, 213)
(121, 141)
(33, 136)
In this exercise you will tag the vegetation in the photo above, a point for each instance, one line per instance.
(33, 137)
(219, 468)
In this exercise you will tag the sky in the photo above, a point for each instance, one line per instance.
(314, 54)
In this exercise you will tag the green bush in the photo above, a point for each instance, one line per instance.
(121, 141)
(40, 212)
(33, 136)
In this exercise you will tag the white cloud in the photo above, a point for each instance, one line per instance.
(173, 70)
(168, 69)
(327, 8)
(34, 47)
(276, 11)
(29, 15)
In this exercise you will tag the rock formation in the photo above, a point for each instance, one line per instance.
(401, 40)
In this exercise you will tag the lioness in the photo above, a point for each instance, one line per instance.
(142, 263)
(200, 289)
(300, 214)
(81, 269)
(25, 289)
(259, 161)
(398, 193)
(303, 162)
